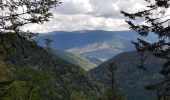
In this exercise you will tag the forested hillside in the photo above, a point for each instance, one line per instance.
(41, 75)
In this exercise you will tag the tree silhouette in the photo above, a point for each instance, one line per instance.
(111, 74)
(112, 93)
(154, 20)
(16, 13)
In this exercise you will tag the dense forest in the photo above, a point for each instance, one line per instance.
(30, 70)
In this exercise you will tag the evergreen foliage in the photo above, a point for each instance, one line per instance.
(154, 20)
(42, 75)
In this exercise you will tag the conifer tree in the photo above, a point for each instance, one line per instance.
(154, 20)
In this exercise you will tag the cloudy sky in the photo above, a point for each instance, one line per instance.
(74, 15)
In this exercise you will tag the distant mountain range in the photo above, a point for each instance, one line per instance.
(96, 46)
(99, 45)
(130, 78)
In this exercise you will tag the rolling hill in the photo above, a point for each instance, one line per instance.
(129, 77)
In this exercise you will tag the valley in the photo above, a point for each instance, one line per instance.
(84, 50)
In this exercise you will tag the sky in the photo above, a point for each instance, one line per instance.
(76, 15)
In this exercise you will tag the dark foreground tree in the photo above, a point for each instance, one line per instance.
(14, 14)
(154, 20)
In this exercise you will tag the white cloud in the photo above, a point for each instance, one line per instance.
(89, 15)
(74, 7)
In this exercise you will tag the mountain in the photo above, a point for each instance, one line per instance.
(130, 78)
(32, 65)
(95, 45)
(75, 59)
